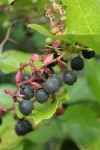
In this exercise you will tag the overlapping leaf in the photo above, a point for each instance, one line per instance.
(93, 77)
(80, 123)
(10, 60)
(83, 22)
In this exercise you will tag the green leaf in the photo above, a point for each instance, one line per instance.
(10, 60)
(92, 70)
(20, 146)
(77, 94)
(42, 30)
(32, 146)
(35, 136)
(47, 110)
(80, 123)
(83, 22)
(6, 100)
(40, 8)
(19, 114)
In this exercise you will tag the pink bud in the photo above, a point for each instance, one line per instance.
(18, 77)
(34, 57)
(48, 58)
(7, 91)
(19, 95)
(56, 43)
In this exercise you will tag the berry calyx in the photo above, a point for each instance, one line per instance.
(54, 30)
(49, 41)
(51, 85)
(77, 63)
(23, 127)
(41, 96)
(88, 54)
(27, 92)
(26, 107)
(69, 77)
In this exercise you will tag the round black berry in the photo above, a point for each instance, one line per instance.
(77, 63)
(26, 107)
(49, 41)
(51, 85)
(57, 79)
(0, 120)
(25, 77)
(88, 54)
(23, 127)
(27, 92)
(69, 77)
(41, 96)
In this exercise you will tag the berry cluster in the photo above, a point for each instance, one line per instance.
(43, 80)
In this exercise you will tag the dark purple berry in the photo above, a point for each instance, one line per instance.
(25, 77)
(69, 77)
(23, 127)
(77, 63)
(51, 85)
(88, 54)
(57, 79)
(41, 96)
(26, 107)
(27, 92)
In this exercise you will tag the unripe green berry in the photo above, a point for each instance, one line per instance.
(49, 41)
